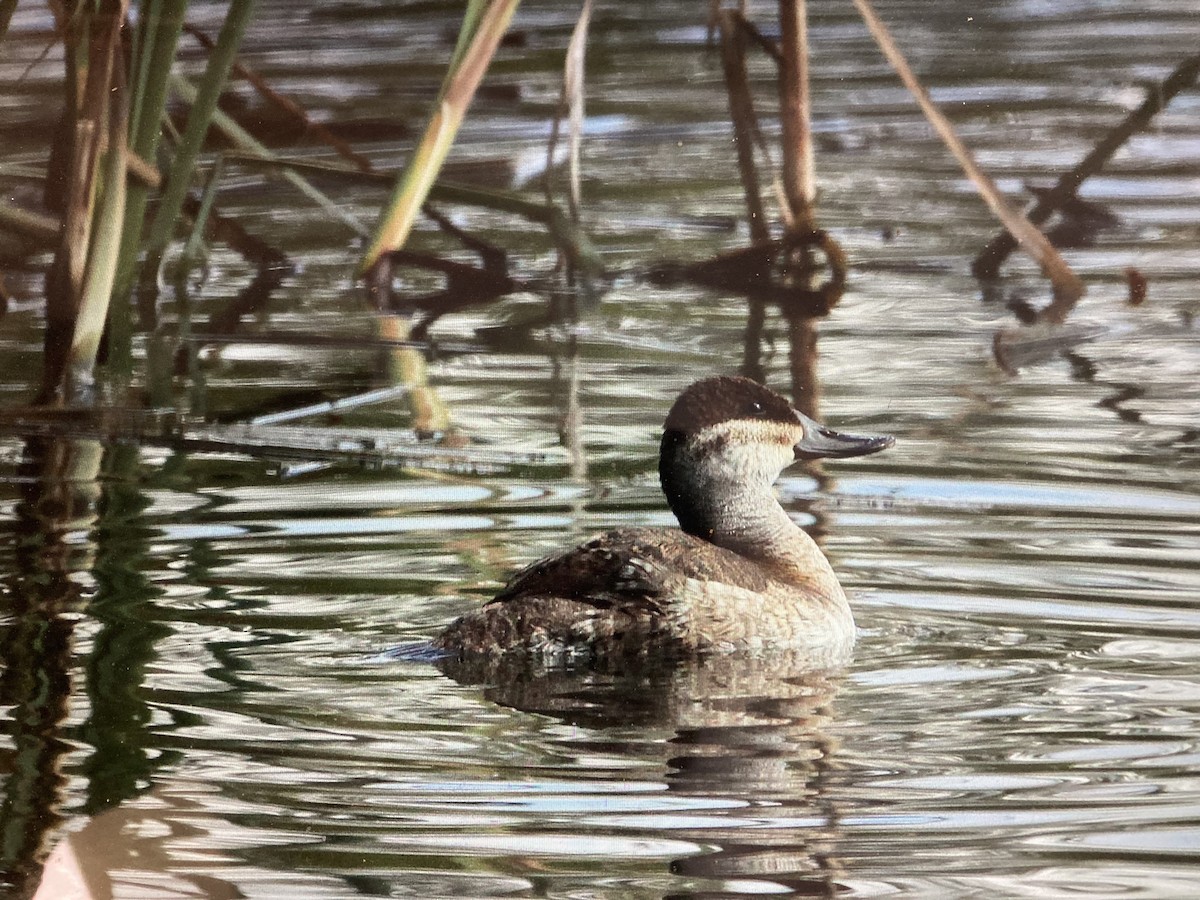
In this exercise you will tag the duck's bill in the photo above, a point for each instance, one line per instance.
(821, 442)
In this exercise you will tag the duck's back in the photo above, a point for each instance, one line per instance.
(635, 589)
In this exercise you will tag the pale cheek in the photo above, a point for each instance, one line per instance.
(746, 452)
(755, 464)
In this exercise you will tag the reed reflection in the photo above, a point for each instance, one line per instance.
(79, 546)
(53, 552)
(124, 756)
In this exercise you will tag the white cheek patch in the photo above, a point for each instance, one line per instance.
(749, 449)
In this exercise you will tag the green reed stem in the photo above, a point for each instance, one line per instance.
(220, 61)
(483, 26)
(242, 139)
(102, 260)
(193, 250)
(157, 38)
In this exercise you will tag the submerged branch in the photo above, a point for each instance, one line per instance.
(342, 404)
(375, 447)
(571, 239)
(356, 342)
(244, 141)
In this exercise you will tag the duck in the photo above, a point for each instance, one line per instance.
(737, 574)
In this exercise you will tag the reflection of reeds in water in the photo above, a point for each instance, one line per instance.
(109, 130)
(76, 543)
(44, 593)
(104, 169)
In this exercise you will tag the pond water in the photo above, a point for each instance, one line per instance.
(195, 682)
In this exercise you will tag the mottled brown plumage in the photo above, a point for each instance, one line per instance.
(739, 575)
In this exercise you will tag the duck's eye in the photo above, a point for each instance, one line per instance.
(756, 409)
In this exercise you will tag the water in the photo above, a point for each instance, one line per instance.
(194, 684)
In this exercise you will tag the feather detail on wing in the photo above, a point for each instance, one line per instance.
(623, 589)
(602, 572)
(634, 569)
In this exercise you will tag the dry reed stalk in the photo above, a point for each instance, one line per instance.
(795, 107)
(79, 291)
(572, 100)
(573, 90)
(478, 40)
(988, 262)
(741, 111)
(1067, 286)
(104, 252)
(37, 226)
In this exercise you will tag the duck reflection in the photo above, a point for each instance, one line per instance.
(740, 727)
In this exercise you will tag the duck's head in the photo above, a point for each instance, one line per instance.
(728, 437)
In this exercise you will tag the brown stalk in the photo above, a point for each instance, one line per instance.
(991, 257)
(741, 111)
(799, 178)
(573, 95)
(1067, 286)
(65, 286)
(143, 170)
(39, 227)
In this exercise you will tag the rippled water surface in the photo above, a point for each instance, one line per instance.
(196, 685)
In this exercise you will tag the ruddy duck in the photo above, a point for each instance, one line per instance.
(739, 575)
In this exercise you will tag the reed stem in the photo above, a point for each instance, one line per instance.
(158, 37)
(1066, 283)
(483, 26)
(799, 169)
(199, 117)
